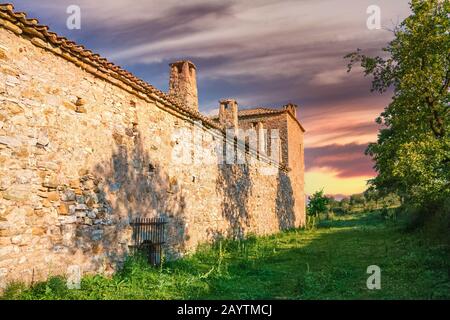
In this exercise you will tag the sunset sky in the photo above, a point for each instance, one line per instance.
(260, 52)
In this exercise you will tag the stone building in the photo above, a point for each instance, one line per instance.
(290, 132)
(86, 147)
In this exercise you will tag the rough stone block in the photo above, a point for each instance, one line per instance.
(16, 239)
(5, 241)
(13, 108)
(97, 235)
(43, 194)
(16, 193)
(91, 215)
(5, 251)
(3, 55)
(74, 183)
(63, 209)
(53, 196)
(48, 165)
(5, 182)
(67, 219)
(43, 140)
(38, 231)
(10, 141)
(81, 207)
(69, 105)
(24, 176)
(46, 203)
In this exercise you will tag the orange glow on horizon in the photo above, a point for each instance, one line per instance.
(316, 180)
(342, 124)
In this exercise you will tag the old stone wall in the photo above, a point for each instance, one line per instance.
(296, 163)
(291, 154)
(80, 157)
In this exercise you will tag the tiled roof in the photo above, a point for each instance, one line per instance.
(255, 112)
(261, 111)
(40, 35)
(258, 111)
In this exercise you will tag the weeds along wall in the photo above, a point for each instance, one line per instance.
(81, 155)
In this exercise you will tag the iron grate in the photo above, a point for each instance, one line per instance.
(149, 237)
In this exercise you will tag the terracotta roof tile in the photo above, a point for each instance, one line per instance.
(258, 111)
(261, 111)
(254, 112)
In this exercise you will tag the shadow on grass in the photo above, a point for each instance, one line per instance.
(332, 264)
(353, 220)
(326, 263)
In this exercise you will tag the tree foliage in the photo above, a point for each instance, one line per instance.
(370, 200)
(412, 153)
(317, 204)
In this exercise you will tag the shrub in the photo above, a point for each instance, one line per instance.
(433, 218)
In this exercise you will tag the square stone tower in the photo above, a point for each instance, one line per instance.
(228, 113)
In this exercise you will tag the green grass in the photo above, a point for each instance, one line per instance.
(329, 262)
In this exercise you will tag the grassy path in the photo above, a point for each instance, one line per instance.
(327, 263)
(331, 263)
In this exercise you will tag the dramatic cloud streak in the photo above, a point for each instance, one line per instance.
(345, 160)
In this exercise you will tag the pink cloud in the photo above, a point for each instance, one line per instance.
(346, 160)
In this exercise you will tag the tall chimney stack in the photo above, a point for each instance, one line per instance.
(183, 83)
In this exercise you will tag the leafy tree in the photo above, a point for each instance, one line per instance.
(357, 199)
(345, 205)
(372, 197)
(332, 203)
(317, 204)
(412, 153)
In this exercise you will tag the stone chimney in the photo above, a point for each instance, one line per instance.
(292, 108)
(183, 83)
(228, 113)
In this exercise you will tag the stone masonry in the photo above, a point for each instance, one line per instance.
(85, 147)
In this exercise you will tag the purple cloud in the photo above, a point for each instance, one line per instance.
(346, 160)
